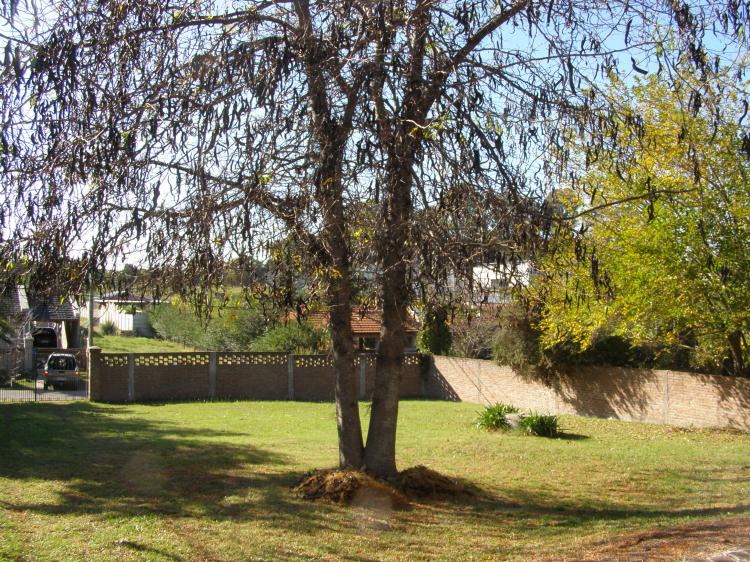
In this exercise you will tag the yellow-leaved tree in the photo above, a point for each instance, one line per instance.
(660, 249)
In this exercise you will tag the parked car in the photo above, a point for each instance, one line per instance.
(61, 369)
(44, 337)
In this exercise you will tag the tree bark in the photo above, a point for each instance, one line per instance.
(380, 451)
(736, 352)
(339, 295)
(351, 448)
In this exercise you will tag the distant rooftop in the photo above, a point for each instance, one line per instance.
(124, 297)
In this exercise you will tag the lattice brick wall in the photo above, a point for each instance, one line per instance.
(313, 361)
(114, 359)
(240, 359)
(170, 359)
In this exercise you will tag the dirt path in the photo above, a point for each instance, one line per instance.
(723, 540)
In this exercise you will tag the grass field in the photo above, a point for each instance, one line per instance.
(211, 481)
(136, 344)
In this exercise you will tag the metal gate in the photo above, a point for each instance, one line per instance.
(43, 386)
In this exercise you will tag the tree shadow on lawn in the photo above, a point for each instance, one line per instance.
(113, 463)
(537, 507)
(107, 462)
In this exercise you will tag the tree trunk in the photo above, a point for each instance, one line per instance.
(380, 451)
(736, 352)
(339, 294)
(347, 392)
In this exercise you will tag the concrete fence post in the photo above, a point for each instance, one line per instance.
(212, 375)
(362, 376)
(94, 363)
(131, 377)
(28, 355)
(290, 376)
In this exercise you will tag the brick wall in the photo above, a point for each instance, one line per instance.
(671, 397)
(124, 377)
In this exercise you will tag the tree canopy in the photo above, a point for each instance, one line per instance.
(669, 265)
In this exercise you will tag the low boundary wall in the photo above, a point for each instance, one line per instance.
(141, 377)
(655, 396)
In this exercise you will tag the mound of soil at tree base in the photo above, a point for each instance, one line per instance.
(350, 487)
(422, 482)
(354, 487)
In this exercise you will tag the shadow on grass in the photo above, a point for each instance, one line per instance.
(114, 463)
(536, 506)
(106, 461)
(565, 436)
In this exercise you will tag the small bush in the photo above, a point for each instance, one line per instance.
(494, 417)
(474, 338)
(516, 340)
(295, 337)
(108, 328)
(540, 424)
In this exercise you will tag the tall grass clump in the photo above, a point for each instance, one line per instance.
(495, 417)
(543, 425)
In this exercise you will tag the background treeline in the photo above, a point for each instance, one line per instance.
(236, 328)
(650, 266)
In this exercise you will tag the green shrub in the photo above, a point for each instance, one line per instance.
(295, 337)
(108, 328)
(516, 341)
(543, 425)
(229, 329)
(494, 417)
(435, 335)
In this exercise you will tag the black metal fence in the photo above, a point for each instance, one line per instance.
(19, 386)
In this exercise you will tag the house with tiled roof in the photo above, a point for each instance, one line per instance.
(29, 315)
(28, 311)
(366, 326)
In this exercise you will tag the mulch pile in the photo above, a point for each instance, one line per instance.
(422, 482)
(350, 487)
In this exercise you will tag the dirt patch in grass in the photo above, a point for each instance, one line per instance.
(692, 542)
(357, 488)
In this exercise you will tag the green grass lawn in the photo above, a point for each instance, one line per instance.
(136, 344)
(211, 481)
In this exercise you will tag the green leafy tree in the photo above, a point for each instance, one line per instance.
(232, 328)
(669, 264)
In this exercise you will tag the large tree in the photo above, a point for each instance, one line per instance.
(197, 133)
(669, 265)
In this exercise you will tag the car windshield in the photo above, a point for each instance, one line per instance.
(62, 363)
